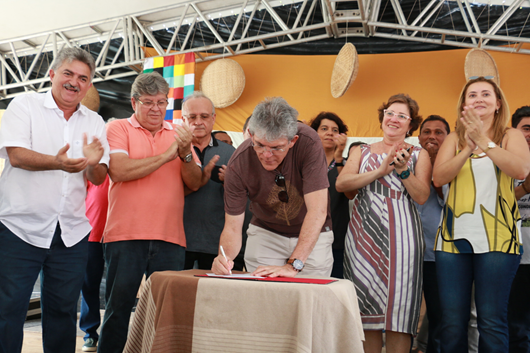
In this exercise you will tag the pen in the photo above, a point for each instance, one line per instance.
(223, 252)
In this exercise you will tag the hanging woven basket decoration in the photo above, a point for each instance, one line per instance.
(91, 100)
(344, 71)
(223, 81)
(480, 63)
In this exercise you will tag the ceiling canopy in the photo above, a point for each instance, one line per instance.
(116, 32)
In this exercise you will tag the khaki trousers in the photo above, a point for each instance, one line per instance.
(266, 248)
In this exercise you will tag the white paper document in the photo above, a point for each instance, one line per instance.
(235, 275)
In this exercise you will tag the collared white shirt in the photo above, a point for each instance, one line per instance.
(32, 202)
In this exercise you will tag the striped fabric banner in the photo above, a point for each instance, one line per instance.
(179, 72)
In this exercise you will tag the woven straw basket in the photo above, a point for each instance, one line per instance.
(480, 63)
(344, 71)
(223, 81)
(91, 100)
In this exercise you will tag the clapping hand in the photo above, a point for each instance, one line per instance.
(340, 143)
(473, 125)
(92, 151)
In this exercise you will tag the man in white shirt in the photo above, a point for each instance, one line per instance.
(52, 144)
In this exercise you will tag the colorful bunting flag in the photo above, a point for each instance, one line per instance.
(179, 72)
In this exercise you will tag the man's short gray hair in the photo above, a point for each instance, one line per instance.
(149, 84)
(195, 95)
(274, 118)
(71, 54)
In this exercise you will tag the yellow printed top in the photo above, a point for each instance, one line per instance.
(481, 213)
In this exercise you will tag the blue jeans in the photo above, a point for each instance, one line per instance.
(90, 319)
(61, 271)
(127, 261)
(492, 274)
(519, 311)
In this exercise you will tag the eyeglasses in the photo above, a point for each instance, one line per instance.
(151, 104)
(280, 181)
(391, 114)
(259, 148)
(194, 117)
(486, 77)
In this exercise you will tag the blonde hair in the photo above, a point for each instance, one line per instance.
(501, 116)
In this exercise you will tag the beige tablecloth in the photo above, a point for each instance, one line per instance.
(178, 312)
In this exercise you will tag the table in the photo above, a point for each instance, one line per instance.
(178, 312)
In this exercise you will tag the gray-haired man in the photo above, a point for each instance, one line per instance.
(151, 164)
(43, 227)
(282, 170)
(202, 233)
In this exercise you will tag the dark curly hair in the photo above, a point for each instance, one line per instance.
(315, 123)
(414, 108)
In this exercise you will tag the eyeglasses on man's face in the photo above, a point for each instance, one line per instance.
(280, 181)
(150, 104)
(193, 117)
(259, 148)
(391, 114)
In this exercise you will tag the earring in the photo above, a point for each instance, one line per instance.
(497, 111)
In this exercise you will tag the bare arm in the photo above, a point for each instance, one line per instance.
(353, 169)
(20, 157)
(513, 158)
(190, 172)
(24, 158)
(340, 141)
(316, 203)
(448, 163)
(123, 168)
(231, 239)
(521, 190)
(418, 184)
(95, 172)
(191, 175)
(350, 179)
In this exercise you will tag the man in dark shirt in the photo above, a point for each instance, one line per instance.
(282, 170)
(204, 216)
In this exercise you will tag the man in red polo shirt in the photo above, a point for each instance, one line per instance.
(151, 164)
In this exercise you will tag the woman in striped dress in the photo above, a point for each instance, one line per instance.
(384, 243)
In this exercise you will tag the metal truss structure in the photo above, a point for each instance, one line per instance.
(214, 29)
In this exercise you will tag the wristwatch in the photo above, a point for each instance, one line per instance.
(339, 164)
(298, 265)
(491, 145)
(404, 174)
(187, 158)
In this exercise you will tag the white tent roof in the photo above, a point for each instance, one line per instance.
(32, 31)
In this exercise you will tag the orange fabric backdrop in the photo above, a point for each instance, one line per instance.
(433, 79)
